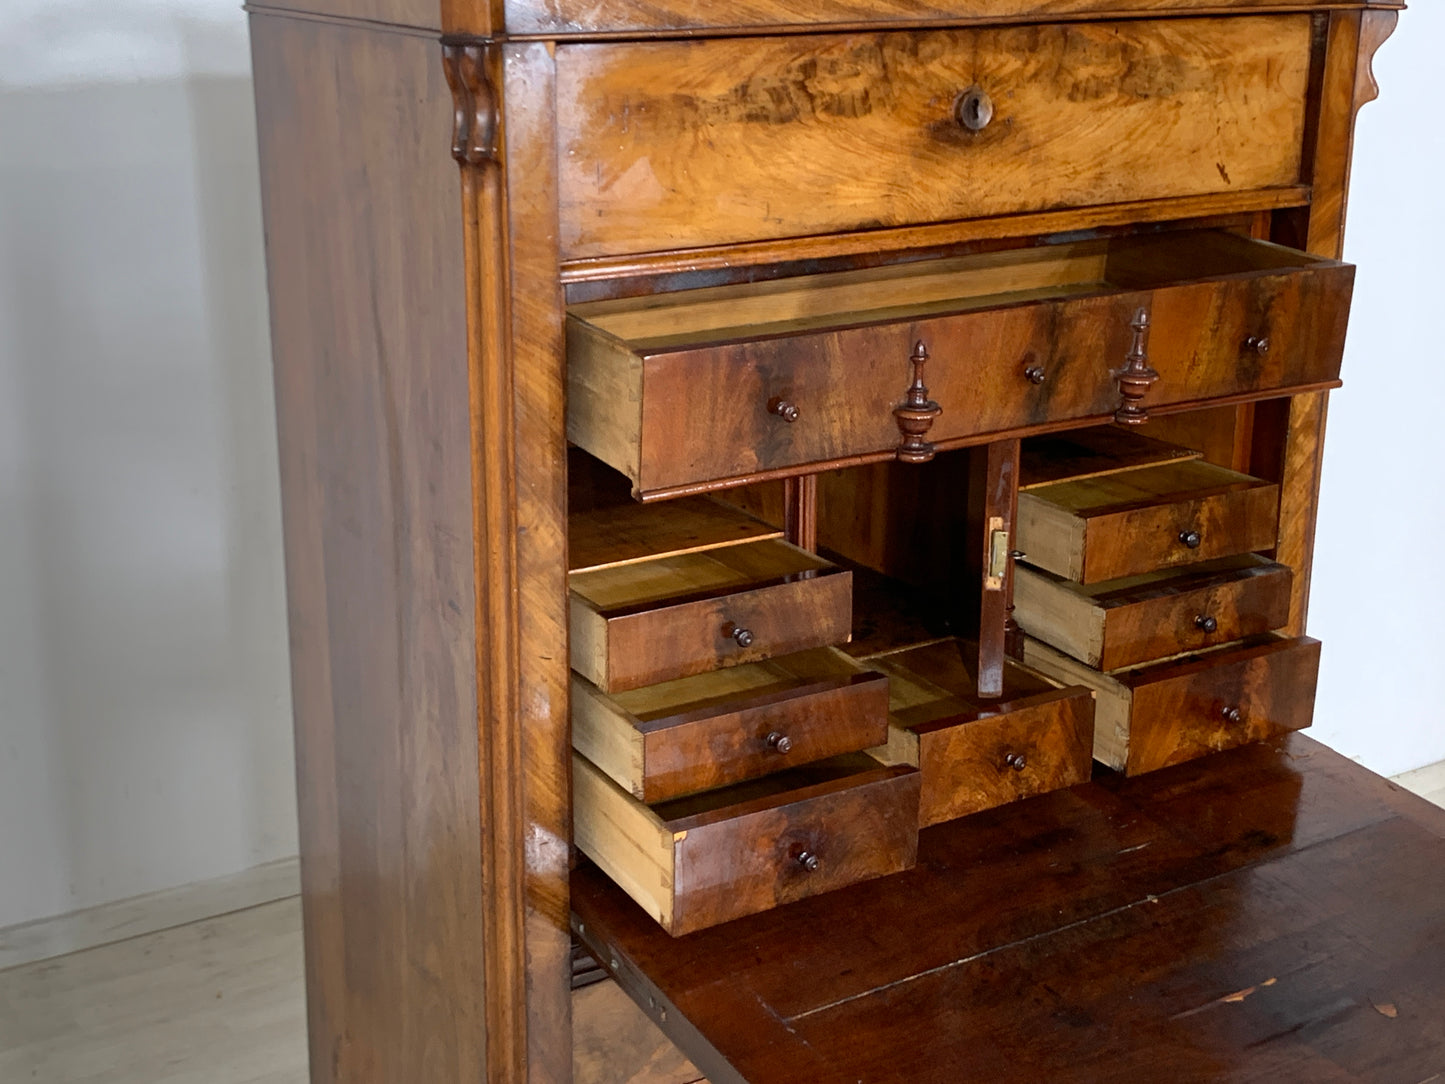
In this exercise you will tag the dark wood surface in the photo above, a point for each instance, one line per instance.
(1270, 913)
(846, 371)
(368, 320)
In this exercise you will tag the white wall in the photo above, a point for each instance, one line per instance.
(1378, 599)
(144, 692)
(144, 712)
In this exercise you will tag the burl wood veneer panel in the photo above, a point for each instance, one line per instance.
(666, 145)
(364, 246)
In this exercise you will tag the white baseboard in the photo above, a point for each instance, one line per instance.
(1428, 782)
(110, 922)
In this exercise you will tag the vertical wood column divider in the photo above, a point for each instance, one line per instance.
(993, 501)
(800, 511)
(514, 317)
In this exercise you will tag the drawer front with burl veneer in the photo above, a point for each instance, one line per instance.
(667, 145)
(680, 390)
(1153, 716)
(679, 737)
(973, 753)
(1142, 618)
(1138, 521)
(682, 614)
(703, 860)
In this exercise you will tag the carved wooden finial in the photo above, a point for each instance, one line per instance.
(1137, 376)
(475, 120)
(916, 413)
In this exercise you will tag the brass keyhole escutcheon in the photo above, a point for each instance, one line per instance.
(974, 109)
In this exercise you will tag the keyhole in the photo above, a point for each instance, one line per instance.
(974, 109)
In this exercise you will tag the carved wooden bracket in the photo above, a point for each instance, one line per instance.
(1137, 376)
(475, 123)
(916, 413)
(1375, 28)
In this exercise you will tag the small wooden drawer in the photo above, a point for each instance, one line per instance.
(679, 390)
(1138, 521)
(974, 754)
(682, 614)
(711, 730)
(667, 145)
(1152, 716)
(1124, 622)
(699, 861)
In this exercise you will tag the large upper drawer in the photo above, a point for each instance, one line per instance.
(679, 144)
(686, 388)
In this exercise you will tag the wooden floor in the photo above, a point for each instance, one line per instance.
(221, 1002)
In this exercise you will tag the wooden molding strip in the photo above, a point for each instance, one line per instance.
(120, 920)
(933, 235)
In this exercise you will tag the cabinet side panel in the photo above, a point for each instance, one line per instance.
(364, 252)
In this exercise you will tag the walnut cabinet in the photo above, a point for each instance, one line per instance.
(720, 440)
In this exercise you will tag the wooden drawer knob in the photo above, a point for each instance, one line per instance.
(1017, 761)
(974, 109)
(1232, 715)
(1137, 376)
(1258, 343)
(741, 636)
(916, 413)
(783, 409)
(779, 742)
(808, 860)
(1191, 539)
(1205, 623)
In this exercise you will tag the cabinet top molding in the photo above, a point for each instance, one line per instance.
(600, 19)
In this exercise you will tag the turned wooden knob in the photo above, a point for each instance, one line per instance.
(916, 413)
(808, 860)
(1137, 376)
(974, 109)
(779, 742)
(1016, 761)
(1205, 623)
(743, 637)
(1191, 539)
(1035, 373)
(1232, 715)
(1258, 343)
(783, 409)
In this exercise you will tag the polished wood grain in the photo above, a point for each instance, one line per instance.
(993, 496)
(614, 535)
(1140, 521)
(1126, 930)
(697, 862)
(1016, 339)
(694, 734)
(364, 232)
(1092, 453)
(672, 145)
(692, 17)
(674, 616)
(1141, 618)
(975, 753)
(1149, 717)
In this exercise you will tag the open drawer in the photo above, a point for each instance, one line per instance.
(699, 861)
(711, 730)
(1150, 717)
(679, 390)
(974, 754)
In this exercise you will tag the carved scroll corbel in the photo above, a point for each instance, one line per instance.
(476, 119)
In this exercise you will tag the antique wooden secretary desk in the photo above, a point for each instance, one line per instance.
(796, 431)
